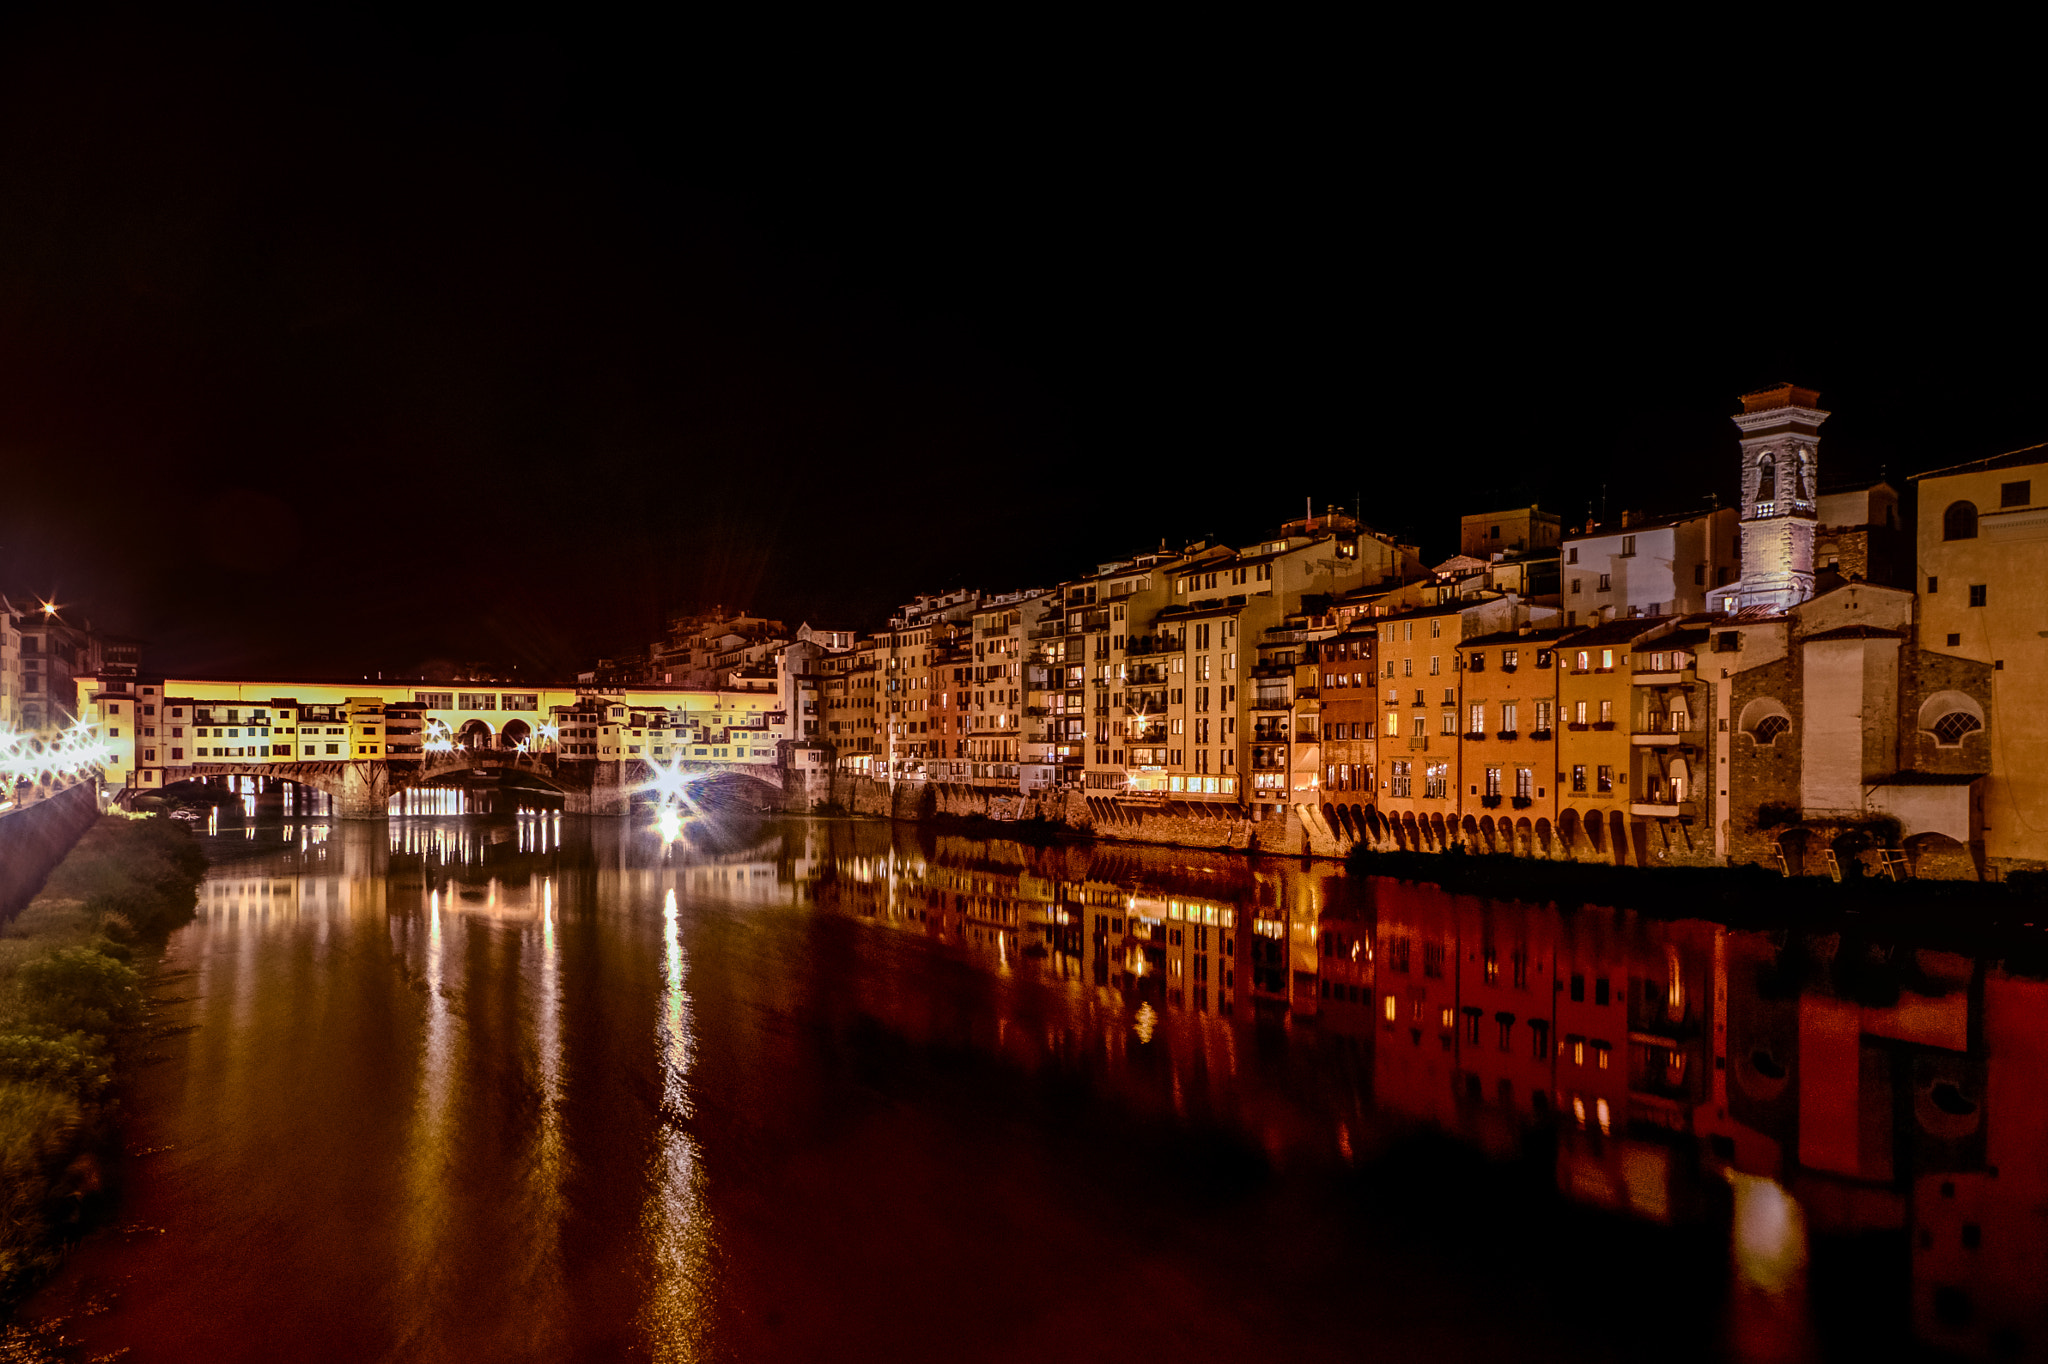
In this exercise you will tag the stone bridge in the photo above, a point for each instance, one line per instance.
(363, 790)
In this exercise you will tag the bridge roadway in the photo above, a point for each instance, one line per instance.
(362, 789)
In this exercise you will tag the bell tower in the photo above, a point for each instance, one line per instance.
(1780, 438)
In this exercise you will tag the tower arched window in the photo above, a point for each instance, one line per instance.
(1766, 479)
(1959, 522)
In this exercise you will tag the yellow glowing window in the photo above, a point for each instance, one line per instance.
(1393, 1009)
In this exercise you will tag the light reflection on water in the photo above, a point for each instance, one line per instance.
(797, 1166)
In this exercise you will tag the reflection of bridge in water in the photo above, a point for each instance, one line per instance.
(368, 789)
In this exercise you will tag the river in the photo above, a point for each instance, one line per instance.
(546, 1088)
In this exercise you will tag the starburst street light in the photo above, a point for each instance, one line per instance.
(71, 756)
(438, 739)
(669, 782)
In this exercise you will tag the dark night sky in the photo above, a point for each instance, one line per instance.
(338, 349)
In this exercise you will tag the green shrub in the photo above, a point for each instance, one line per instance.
(80, 989)
(75, 1064)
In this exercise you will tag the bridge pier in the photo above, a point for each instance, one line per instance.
(365, 791)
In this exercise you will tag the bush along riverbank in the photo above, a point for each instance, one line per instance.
(70, 995)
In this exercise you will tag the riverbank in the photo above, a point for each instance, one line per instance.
(69, 992)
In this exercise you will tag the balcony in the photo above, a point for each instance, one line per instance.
(1146, 736)
(1683, 810)
(1603, 726)
(1541, 736)
(1490, 802)
(1418, 743)
(1271, 703)
(1263, 734)
(1475, 737)
(1662, 738)
(1667, 679)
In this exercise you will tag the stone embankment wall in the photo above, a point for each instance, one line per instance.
(1302, 830)
(33, 840)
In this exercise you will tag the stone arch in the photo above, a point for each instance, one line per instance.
(1795, 844)
(475, 734)
(1436, 824)
(1486, 831)
(1950, 717)
(1412, 827)
(1544, 833)
(1765, 720)
(1567, 829)
(1525, 838)
(1959, 521)
(1766, 477)
(1935, 856)
(1470, 829)
(1595, 827)
(515, 733)
(1851, 848)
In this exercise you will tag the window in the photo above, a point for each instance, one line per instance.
(2016, 494)
(1959, 522)
(1398, 779)
(1493, 782)
(1478, 718)
(1543, 717)
(1977, 594)
(1525, 783)
(1605, 777)
(1509, 712)
(1606, 712)
(1770, 727)
(1628, 546)
(1578, 988)
(1933, 583)
(1450, 722)
(1437, 779)
(1579, 777)
(1571, 556)
(1950, 728)
(1606, 582)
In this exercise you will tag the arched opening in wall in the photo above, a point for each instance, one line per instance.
(1638, 840)
(1596, 831)
(474, 734)
(1486, 832)
(1949, 717)
(1365, 821)
(514, 734)
(1827, 555)
(1544, 834)
(1937, 857)
(1439, 831)
(1568, 830)
(1617, 831)
(1852, 848)
(1795, 844)
(1470, 828)
(1765, 720)
(1331, 822)
(1959, 522)
(1525, 845)
(1766, 479)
